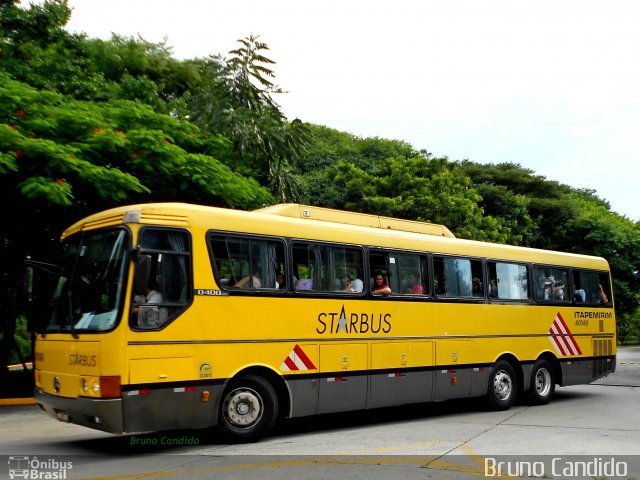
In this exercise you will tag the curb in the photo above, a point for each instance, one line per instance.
(17, 401)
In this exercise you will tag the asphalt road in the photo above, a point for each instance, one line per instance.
(594, 427)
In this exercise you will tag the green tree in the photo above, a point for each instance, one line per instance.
(535, 207)
(237, 101)
(424, 189)
(327, 147)
(135, 69)
(36, 49)
(61, 159)
(595, 230)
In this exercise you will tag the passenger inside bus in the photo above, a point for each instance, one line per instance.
(602, 295)
(579, 296)
(304, 284)
(413, 286)
(553, 290)
(476, 287)
(493, 288)
(379, 285)
(249, 281)
(346, 284)
(146, 307)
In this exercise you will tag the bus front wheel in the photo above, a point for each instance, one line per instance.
(543, 383)
(503, 385)
(249, 408)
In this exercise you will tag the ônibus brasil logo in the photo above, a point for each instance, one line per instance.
(41, 469)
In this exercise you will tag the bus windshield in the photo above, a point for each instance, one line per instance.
(90, 290)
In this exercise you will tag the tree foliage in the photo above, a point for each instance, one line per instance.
(424, 189)
(595, 230)
(237, 100)
(111, 152)
(89, 124)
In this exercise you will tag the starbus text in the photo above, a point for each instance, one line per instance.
(333, 322)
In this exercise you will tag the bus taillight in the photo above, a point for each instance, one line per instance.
(110, 387)
(101, 387)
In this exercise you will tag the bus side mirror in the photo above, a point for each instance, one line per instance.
(40, 281)
(143, 273)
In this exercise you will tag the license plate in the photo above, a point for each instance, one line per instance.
(62, 416)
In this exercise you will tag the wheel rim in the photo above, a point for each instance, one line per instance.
(502, 385)
(543, 382)
(243, 408)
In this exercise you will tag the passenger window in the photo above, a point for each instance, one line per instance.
(590, 288)
(551, 284)
(402, 272)
(163, 277)
(508, 281)
(458, 277)
(327, 268)
(248, 263)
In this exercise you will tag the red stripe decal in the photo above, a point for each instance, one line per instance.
(573, 340)
(303, 356)
(557, 341)
(289, 363)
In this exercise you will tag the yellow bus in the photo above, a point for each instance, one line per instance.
(171, 316)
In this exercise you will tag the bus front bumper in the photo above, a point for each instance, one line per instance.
(100, 414)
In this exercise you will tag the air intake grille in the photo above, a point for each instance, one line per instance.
(602, 349)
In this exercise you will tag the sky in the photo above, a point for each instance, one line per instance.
(551, 85)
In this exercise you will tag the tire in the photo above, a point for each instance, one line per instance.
(503, 386)
(249, 409)
(543, 383)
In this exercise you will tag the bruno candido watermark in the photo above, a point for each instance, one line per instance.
(557, 467)
(38, 468)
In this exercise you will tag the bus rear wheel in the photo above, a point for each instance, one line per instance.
(249, 408)
(503, 385)
(543, 383)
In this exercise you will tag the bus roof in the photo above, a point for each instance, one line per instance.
(315, 223)
(308, 212)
